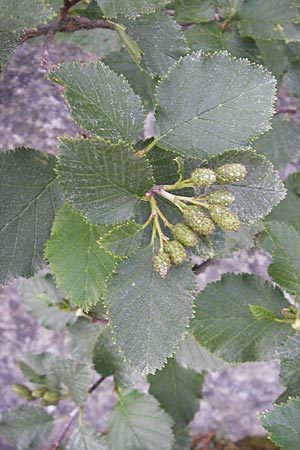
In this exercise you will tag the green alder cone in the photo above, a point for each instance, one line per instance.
(203, 177)
(230, 173)
(185, 235)
(176, 252)
(22, 391)
(223, 217)
(224, 198)
(161, 264)
(51, 397)
(198, 220)
(39, 392)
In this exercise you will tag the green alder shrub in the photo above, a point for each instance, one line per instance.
(117, 219)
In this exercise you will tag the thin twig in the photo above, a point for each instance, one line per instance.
(65, 429)
(290, 110)
(95, 385)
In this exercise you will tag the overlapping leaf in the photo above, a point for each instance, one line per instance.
(124, 239)
(208, 104)
(129, 8)
(148, 323)
(78, 348)
(26, 427)
(98, 180)
(80, 266)
(21, 14)
(285, 266)
(204, 11)
(160, 40)
(224, 323)
(261, 188)
(289, 375)
(283, 424)
(178, 391)
(101, 101)
(85, 437)
(138, 422)
(9, 41)
(29, 197)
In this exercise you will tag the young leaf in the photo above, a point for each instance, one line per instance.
(50, 315)
(101, 101)
(289, 375)
(123, 239)
(138, 422)
(129, 8)
(178, 391)
(98, 179)
(285, 266)
(85, 437)
(160, 40)
(281, 145)
(29, 198)
(275, 19)
(26, 427)
(80, 266)
(34, 367)
(208, 104)
(261, 188)
(261, 313)
(224, 324)
(148, 323)
(283, 424)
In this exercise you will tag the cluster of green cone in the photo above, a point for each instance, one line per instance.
(47, 396)
(201, 220)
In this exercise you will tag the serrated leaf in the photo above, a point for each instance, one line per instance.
(203, 11)
(278, 19)
(80, 266)
(209, 38)
(8, 43)
(192, 356)
(178, 391)
(289, 375)
(85, 437)
(261, 188)
(101, 101)
(281, 145)
(26, 427)
(78, 348)
(21, 14)
(224, 324)
(283, 424)
(160, 40)
(274, 56)
(285, 266)
(49, 316)
(142, 84)
(148, 324)
(124, 239)
(208, 104)
(261, 313)
(98, 41)
(98, 179)
(138, 423)
(29, 197)
(129, 8)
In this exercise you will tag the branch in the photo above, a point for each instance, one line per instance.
(68, 24)
(65, 429)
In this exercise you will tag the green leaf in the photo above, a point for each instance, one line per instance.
(124, 239)
(34, 367)
(26, 427)
(192, 356)
(283, 424)
(276, 19)
(289, 209)
(261, 189)
(98, 41)
(81, 349)
(209, 38)
(203, 11)
(289, 375)
(129, 8)
(8, 43)
(182, 439)
(208, 104)
(138, 423)
(274, 57)
(51, 316)
(21, 14)
(224, 324)
(285, 266)
(243, 238)
(97, 179)
(29, 198)
(80, 266)
(160, 40)
(85, 437)
(130, 44)
(142, 84)
(261, 313)
(281, 145)
(148, 323)
(178, 391)
(101, 101)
